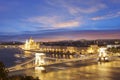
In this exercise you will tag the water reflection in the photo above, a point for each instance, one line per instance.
(103, 71)
(27, 53)
(7, 56)
(12, 55)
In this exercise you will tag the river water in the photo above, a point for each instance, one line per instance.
(7, 56)
(97, 71)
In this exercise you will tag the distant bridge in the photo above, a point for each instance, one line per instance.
(9, 46)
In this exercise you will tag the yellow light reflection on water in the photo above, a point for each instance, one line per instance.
(102, 71)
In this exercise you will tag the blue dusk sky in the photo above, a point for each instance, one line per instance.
(50, 20)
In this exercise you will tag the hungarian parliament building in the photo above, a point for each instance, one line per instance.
(30, 44)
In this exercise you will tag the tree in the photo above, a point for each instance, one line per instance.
(3, 72)
(4, 75)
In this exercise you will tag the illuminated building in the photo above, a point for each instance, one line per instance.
(110, 46)
(30, 44)
(63, 49)
(93, 49)
(71, 49)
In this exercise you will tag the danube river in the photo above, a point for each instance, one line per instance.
(96, 71)
(12, 56)
(7, 56)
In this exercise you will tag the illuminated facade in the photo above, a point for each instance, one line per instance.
(30, 44)
(71, 49)
(64, 49)
(110, 46)
(93, 49)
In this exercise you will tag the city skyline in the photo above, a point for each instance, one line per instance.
(50, 20)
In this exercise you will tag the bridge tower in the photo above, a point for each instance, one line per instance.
(39, 59)
(103, 54)
(39, 62)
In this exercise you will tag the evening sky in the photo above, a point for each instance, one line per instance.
(59, 19)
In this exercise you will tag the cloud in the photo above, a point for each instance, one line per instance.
(67, 24)
(90, 9)
(107, 16)
(78, 6)
(54, 22)
(43, 19)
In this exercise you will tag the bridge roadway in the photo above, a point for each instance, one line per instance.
(49, 61)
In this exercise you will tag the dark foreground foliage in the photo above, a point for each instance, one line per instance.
(4, 75)
(22, 78)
